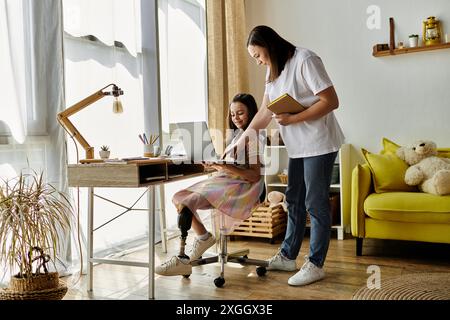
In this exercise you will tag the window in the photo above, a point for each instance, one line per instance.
(104, 44)
(182, 43)
(111, 41)
(183, 65)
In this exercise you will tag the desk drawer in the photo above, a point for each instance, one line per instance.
(116, 175)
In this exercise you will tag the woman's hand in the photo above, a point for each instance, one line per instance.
(285, 119)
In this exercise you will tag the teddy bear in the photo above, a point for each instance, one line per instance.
(275, 198)
(429, 172)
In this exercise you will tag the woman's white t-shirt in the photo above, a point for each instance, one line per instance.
(303, 77)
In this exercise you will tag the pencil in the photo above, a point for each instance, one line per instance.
(145, 139)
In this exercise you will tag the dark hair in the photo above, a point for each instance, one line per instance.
(279, 50)
(249, 102)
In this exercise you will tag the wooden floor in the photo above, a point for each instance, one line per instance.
(345, 273)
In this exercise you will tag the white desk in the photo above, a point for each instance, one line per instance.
(135, 174)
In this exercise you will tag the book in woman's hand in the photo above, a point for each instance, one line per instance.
(285, 104)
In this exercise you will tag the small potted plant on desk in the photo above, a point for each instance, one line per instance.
(32, 216)
(104, 152)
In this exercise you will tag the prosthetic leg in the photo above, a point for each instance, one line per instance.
(179, 265)
(184, 224)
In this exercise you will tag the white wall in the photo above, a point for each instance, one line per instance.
(403, 98)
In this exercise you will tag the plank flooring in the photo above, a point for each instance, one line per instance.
(345, 273)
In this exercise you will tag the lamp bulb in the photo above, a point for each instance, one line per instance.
(117, 106)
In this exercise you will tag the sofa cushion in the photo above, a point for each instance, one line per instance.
(390, 146)
(388, 172)
(414, 207)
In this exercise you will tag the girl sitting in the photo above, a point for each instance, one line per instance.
(233, 191)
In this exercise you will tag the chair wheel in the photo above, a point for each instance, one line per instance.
(186, 276)
(219, 282)
(261, 271)
(242, 259)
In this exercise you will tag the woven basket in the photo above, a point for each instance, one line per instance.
(47, 294)
(36, 283)
(283, 178)
(42, 287)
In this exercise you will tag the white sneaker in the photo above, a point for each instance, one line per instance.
(200, 246)
(309, 273)
(280, 262)
(174, 267)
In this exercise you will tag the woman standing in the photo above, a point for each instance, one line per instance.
(312, 138)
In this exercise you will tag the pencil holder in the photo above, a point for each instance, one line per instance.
(148, 150)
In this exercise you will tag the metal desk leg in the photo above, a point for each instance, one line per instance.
(151, 242)
(162, 218)
(90, 240)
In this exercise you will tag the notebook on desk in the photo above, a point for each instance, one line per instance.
(198, 144)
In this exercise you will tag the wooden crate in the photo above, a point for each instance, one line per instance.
(265, 222)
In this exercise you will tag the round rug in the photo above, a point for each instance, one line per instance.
(416, 286)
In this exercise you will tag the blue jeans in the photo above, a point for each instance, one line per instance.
(308, 190)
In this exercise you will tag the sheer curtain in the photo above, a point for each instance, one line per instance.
(227, 59)
(12, 67)
(109, 20)
(32, 77)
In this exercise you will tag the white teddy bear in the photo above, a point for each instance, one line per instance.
(429, 172)
(276, 198)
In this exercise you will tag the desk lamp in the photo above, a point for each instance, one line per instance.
(63, 117)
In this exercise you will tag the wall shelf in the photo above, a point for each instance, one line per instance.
(412, 50)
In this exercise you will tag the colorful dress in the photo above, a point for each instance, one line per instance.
(232, 197)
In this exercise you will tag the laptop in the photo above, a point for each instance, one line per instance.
(197, 142)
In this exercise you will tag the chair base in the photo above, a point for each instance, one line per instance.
(235, 257)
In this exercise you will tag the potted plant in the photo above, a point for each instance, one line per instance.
(104, 152)
(413, 40)
(32, 216)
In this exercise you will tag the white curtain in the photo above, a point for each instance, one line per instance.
(108, 20)
(32, 80)
(12, 67)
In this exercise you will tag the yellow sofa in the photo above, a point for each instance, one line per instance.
(413, 216)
